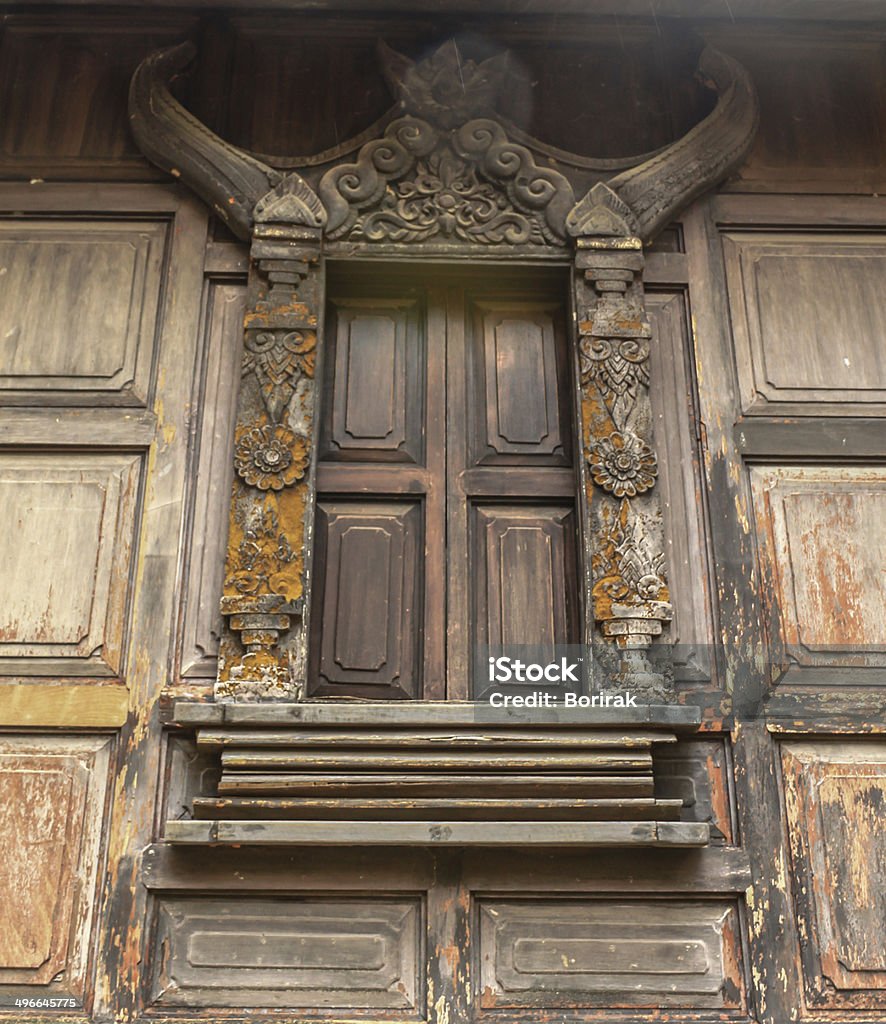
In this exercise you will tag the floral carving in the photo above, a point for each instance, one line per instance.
(472, 184)
(622, 464)
(446, 197)
(444, 87)
(271, 458)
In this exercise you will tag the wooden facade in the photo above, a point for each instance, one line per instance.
(559, 391)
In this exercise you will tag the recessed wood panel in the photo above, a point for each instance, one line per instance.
(78, 309)
(67, 535)
(312, 953)
(835, 795)
(519, 407)
(681, 487)
(374, 381)
(809, 316)
(51, 799)
(698, 772)
(823, 548)
(524, 575)
(550, 954)
(222, 353)
(369, 597)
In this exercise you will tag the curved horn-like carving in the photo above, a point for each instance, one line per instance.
(230, 181)
(655, 191)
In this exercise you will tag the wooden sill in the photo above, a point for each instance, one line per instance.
(438, 833)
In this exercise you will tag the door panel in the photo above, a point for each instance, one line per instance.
(374, 403)
(515, 382)
(369, 595)
(523, 575)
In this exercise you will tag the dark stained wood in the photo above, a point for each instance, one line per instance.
(369, 597)
(524, 580)
(374, 405)
(402, 351)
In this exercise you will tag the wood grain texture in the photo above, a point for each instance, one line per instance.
(439, 833)
(374, 390)
(79, 302)
(834, 799)
(222, 333)
(676, 430)
(525, 588)
(70, 525)
(822, 542)
(66, 705)
(824, 288)
(51, 808)
(63, 85)
(369, 598)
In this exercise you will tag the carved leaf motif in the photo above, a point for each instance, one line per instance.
(618, 367)
(279, 359)
(627, 567)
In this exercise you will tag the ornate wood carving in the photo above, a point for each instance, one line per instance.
(443, 173)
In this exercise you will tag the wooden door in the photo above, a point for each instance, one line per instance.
(445, 509)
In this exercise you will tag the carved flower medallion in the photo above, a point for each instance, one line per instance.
(623, 465)
(271, 458)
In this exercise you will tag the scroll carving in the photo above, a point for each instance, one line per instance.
(471, 183)
(444, 172)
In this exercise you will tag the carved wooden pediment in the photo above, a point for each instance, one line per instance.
(442, 166)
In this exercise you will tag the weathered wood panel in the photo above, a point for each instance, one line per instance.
(212, 472)
(369, 596)
(51, 808)
(821, 107)
(824, 291)
(822, 543)
(78, 309)
(583, 953)
(835, 796)
(698, 772)
(310, 953)
(69, 528)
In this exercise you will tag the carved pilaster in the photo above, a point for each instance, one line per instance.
(265, 593)
(627, 590)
